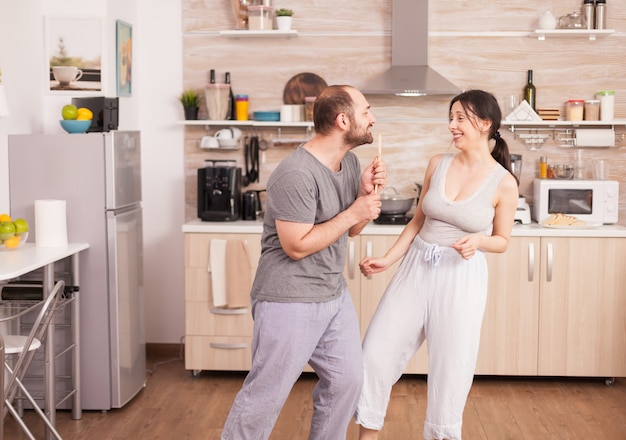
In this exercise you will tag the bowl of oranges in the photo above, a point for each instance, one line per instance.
(75, 119)
(13, 233)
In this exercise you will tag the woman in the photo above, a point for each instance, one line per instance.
(466, 207)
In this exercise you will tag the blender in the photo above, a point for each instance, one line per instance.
(522, 213)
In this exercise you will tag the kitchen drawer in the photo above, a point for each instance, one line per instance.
(218, 353)
(203, 319)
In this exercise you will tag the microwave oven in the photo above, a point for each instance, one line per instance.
(593, 201)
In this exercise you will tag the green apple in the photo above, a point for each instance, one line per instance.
(21, 226)
(7, 230)
(69, 111)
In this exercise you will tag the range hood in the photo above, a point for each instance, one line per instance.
(409, 74)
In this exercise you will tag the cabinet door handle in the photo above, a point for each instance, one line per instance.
(351, 259)
(549, 262)
(228, 346)
(531, 261)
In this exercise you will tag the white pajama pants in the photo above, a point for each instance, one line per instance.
(436, 296)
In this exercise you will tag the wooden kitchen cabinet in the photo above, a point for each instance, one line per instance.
(509, 334)
(372, 288)
(582, 309)
(556, 307)
(215, 338)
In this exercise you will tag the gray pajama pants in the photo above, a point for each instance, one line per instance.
(286, 337)
(436, 296)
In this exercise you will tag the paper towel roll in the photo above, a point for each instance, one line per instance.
(50, 223)
(592, 137)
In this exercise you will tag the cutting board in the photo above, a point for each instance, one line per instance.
(301, 85)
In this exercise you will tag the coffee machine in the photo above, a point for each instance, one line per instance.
(522, 213)
(219, 191)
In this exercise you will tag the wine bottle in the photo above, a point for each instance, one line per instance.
(530, 93)
(212, 76)
(231, 99)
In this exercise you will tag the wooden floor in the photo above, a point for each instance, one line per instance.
(176, 406)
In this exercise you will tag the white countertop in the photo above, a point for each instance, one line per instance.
(28, 257)
(531, 230)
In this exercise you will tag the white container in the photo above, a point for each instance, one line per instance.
(607, 104)
(260, 18)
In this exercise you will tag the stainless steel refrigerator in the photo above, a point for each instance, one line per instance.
(99, 176)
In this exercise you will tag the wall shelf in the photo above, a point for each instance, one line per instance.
(592, 34)
(250, 123)
(259, 34)
(513, 125)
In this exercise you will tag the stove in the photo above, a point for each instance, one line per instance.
(392, 219)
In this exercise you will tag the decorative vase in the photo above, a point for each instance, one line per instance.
(283, 22)
(191, 113)
(547, 21)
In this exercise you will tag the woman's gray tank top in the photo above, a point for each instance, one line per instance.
(448, 220)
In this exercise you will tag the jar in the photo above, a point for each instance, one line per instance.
(607, 104)
(260, 18)
(592, 110)
(241, 107)
(309, 103)
(574, 109)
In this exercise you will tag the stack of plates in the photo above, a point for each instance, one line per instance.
(548, 114)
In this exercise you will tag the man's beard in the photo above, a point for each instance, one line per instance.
(354, 138)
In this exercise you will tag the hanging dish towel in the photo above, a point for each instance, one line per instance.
(230, 269)
(217, 269)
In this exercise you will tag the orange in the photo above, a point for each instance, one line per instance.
(5, 218)
(84, 114)
(13, 242)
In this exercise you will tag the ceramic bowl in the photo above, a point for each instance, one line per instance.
(75, 126)
(22, 239)
(227, 142)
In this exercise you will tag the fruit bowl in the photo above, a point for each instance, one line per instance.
(75, 125)
(14, 243)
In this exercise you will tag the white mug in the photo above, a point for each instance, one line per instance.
(209, 142)
(66, 74)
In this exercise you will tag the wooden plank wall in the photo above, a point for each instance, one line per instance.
(478, 44)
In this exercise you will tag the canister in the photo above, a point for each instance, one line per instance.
(260, 18)
(241, 107)
(607, 104)
(574, 109)
(592, 110)
(309, 103)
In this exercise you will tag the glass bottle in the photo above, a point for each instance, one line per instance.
(543, 167)
(212, 76)
(231, 99)
(530, 92)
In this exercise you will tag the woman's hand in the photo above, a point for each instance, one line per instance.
(372, 265)
(468, 245)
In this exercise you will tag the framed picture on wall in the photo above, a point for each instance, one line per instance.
(124, 57)
(73, 54)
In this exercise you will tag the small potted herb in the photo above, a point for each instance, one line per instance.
(284, 18)
(190, 101)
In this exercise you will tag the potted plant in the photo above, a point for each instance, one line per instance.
(283, 19)
(190, 101)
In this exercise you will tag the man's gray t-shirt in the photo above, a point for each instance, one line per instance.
(302, 190)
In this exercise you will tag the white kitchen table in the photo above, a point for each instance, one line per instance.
(25, 259)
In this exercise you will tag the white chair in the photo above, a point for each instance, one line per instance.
(25, 347)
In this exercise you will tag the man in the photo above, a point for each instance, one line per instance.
(302, 310)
